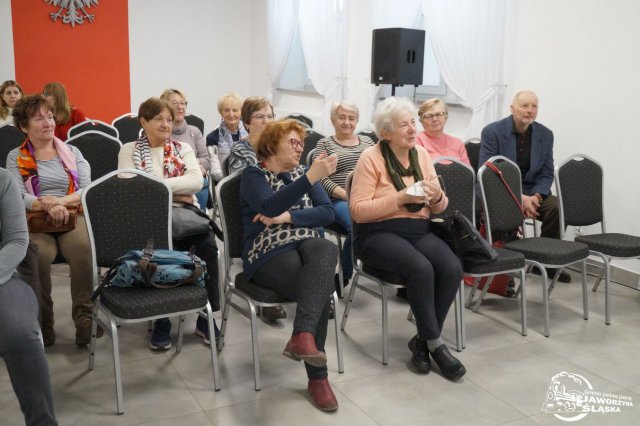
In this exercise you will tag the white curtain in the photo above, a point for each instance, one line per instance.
(468, 40)
(282, 20)
(389, 14)
(322, 34)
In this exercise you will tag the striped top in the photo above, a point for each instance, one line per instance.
(348, 157)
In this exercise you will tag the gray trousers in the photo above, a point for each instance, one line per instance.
(22, 351)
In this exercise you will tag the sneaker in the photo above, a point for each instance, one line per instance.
(202, 329)
(161, 336)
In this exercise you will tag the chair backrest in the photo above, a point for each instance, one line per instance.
(95, 125)
(228, 198)
(459, 184)
(128, 127)
(310, 155)
(194, 120)
(371, 134)
(579, 184)
(99, 149)
(124, 211)
(304, 120)
(10, 138)
(473, 152)
(310, 141)
(225, 165)
(501, 214)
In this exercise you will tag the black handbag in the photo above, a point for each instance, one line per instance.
(463, 239)
(188, 221)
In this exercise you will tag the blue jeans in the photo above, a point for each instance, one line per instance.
(203, 195)
(343, 218)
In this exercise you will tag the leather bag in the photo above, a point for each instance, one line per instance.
(463, 239)
(39, 221)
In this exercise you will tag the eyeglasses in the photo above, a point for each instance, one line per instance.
(436, 115)
(263, 117)
(296, 143)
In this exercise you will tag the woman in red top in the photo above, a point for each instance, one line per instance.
(67, 115)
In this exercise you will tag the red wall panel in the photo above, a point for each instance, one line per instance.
(91, 60)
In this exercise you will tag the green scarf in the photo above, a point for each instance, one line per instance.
(396, 170)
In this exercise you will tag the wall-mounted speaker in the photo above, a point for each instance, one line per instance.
(397, 56)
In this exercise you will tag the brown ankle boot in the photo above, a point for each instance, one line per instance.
(302, 346)
(83, 331)
(322, 395)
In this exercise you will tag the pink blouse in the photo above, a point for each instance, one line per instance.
(444, 146)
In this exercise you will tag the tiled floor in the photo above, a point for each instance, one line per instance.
(506, 384)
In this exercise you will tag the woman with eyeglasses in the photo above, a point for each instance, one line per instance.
(10, 94)
(191, 135)
(282, 206)
(433, 115)
(66, 115)
(256, 112)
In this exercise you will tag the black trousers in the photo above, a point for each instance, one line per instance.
(305, 275)
(430, 270)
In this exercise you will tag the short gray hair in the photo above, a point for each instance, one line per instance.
(346, 105)
(388, 110)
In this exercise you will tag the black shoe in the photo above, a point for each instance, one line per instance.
(450, 367)
(273, 313)
(564, 277)
(402, 293)
(420, 358)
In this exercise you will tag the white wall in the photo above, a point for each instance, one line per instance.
(7, 62)
(200, 47)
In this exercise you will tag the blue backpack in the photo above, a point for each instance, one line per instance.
(155, 268)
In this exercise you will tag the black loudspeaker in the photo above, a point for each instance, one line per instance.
(397, 56)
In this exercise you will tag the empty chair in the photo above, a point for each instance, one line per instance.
(10, 138)
(128, 127)
(194, 120)
(122, 213)
(579, 183)
(504, 216)
(95, 125)
(99, 149)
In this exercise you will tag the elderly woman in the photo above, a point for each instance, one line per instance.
(191, 135)
(51, 176)
(175, 162)
(67, 115)
(433, 115)
(347, 146)
(10, 93)
(230, 131)
(281, 207)
(20, 344)
(392, 229)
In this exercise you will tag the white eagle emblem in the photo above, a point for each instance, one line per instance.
(75, 13)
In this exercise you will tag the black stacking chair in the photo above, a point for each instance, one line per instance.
(371, 134)
(96, 125)
(10, 138)
(194, 120)
(383, 281)
(503, 216)
(252, 294)
(122, 213)
(99, 149)
(303, 119)
(310, 142)
(473, 152)
(459, 184)
(579, 184)
(128, 127)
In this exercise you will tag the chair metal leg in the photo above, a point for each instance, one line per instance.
(457, 304)
(225, 321)
(385, 327)
(463, 334)
(607, 285)
(523, 302)
(545, 298)
(340, 267)
(255, 344)
(347, 307)
(596, 284)
(472, 293)
(585, 299)
(485, 289)
(338, 337)
(116, 363)
(94, 329)
(180, 333)
(213, 347)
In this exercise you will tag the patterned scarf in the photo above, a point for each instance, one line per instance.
(28, 167)
(275, 236)
(225, 140)
(172, 164)
(397, 170)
